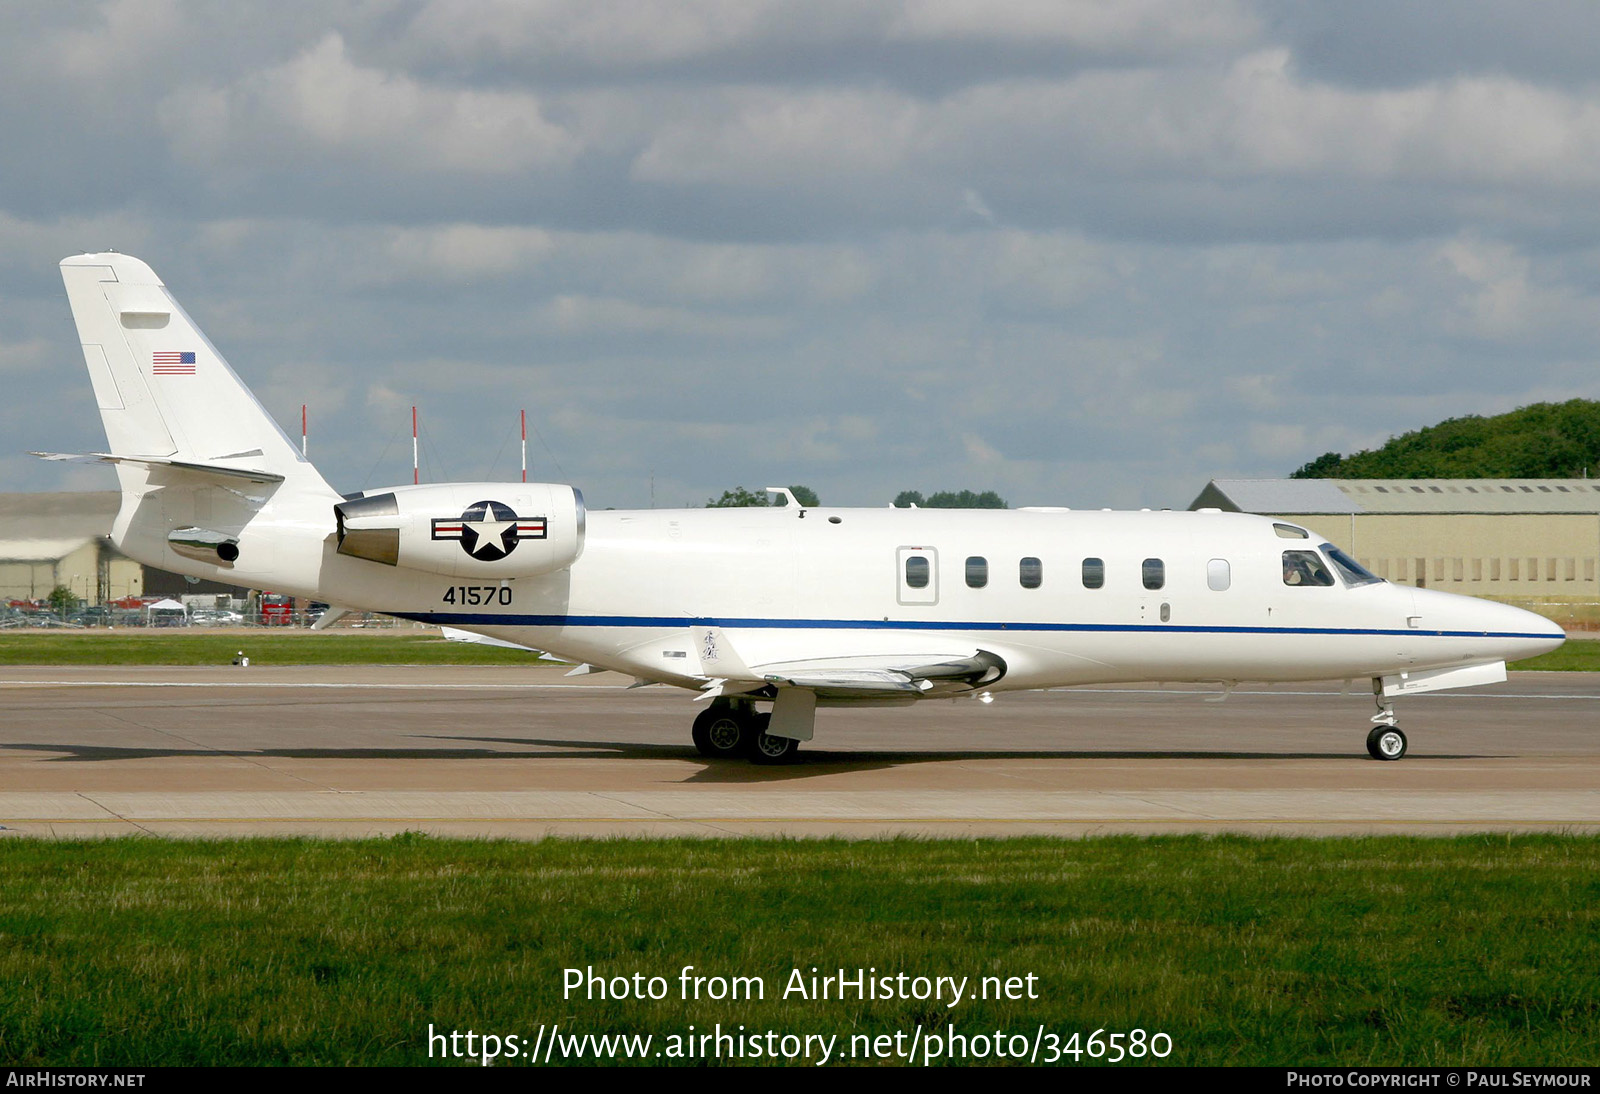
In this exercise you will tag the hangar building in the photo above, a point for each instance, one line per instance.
(61, 539)
(1505, 538)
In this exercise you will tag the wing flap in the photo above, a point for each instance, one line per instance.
(847, 680)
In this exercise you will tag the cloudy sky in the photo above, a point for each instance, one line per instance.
(1083, 253)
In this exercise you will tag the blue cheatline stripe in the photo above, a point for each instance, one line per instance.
(498, 619)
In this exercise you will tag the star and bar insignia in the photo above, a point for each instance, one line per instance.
(489, 530)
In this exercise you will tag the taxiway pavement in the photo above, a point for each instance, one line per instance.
(527, 752)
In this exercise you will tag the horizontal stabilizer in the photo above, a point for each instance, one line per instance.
(209, 470)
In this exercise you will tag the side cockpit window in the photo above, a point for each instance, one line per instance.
(1305, 568)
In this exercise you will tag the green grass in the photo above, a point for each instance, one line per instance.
(265, 647)
(1395, 951)
(1577, 655)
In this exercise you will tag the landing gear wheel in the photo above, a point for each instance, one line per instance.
(1386, 743)
(767, 750)
(720, 733)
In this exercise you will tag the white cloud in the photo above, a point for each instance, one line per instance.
(323, 104)
(127, 40)
(1499, 296)
(463, 252)
(571, 315)
(27, 356)
(776, 138)
(604, 32)
(1140, 26)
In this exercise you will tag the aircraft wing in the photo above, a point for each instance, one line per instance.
(456, 634)
(887, 676)
(924, 674)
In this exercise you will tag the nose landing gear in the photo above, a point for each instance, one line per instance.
(1385, 741)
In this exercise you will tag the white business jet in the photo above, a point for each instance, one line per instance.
(788, 608)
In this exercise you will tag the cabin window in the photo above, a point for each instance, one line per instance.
(1305, 568)
(1218, 577)
(1030, 571)
(1154, 572)
(1094, 573)
(917, 572)
(977, 572)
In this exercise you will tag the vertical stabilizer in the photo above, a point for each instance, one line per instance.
(163, 389)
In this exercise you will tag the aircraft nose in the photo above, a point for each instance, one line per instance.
(1546, 634)
(1513, 633)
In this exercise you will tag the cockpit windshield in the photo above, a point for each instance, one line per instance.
(1349, 569)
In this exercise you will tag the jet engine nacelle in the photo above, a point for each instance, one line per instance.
(466, 529)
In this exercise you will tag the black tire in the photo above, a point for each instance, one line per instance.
(719, 733)
(765, 749)
(1386, 743)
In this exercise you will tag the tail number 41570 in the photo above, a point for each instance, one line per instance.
(472, 595)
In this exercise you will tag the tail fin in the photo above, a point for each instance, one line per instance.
(166, 395)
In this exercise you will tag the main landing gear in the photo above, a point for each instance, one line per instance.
(1385, 741)
(726, 730)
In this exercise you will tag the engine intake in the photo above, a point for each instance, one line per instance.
(487, 529)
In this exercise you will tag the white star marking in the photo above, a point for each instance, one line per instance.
(490, 531)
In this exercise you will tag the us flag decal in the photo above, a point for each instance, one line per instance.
(172, 363)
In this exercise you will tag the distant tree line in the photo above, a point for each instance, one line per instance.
(1542, 441)
(740, 498)
(950, 499)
